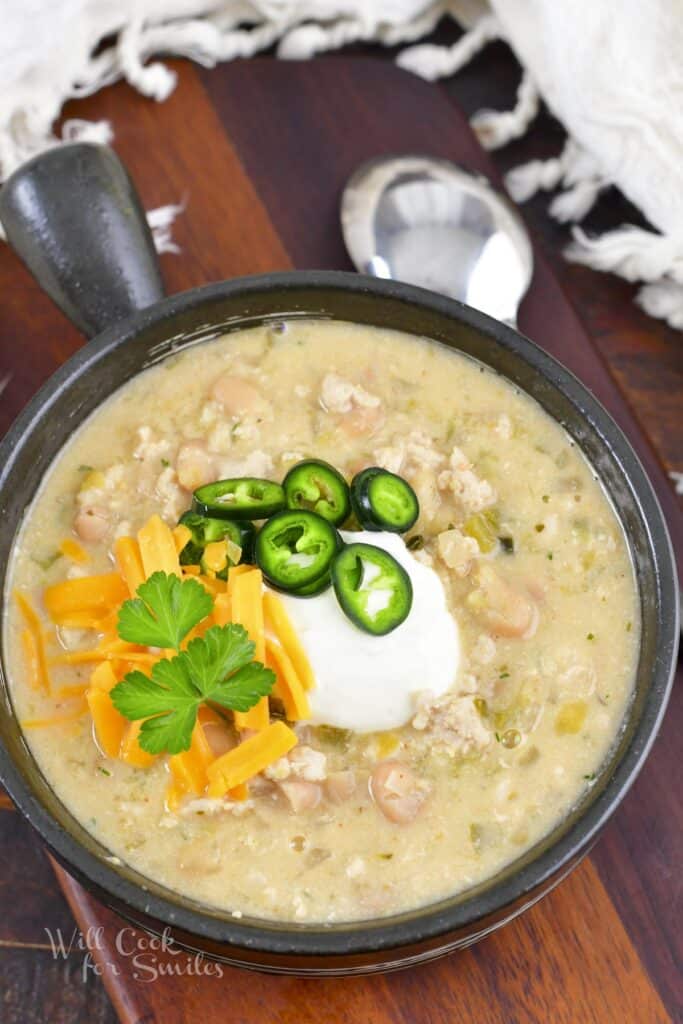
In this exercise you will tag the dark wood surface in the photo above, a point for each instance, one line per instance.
(259, 152)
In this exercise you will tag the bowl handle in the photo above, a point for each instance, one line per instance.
(74, 217)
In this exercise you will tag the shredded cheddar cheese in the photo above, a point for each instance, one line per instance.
(110, 726)
(129, 561)
(289, 687)
(181, 537)
(246, 598)
(250, 758)
(34, 649)
(95, 595)
(70, 548)
(158, 548)
(93, 602)
(279, 622)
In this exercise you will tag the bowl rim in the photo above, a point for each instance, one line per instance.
(432, 921)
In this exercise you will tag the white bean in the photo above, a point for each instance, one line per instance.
(301, 795)
(91, 523)
(501, 606)
(397, 792)
(238, 397)
(339, 786)
(195, 466)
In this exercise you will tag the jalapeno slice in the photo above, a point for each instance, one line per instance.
(243, 497)
(295, 548)
(206, 530)
(373, 589)
(318, 487)
(383, 501)
(310, 590)
(314, 588)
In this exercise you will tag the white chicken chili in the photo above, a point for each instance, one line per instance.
(370, 711)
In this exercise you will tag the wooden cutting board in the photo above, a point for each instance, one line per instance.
(259, 152)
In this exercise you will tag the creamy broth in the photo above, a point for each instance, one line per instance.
(548, 619)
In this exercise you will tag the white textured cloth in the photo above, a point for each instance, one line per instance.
(610, 70)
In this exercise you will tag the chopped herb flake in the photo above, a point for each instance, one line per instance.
(47, 562)
(590, 636)
(590, 776)
(103, 770)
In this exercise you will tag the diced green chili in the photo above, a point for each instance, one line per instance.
(483, 527)
(383, 501)
(334, 737)
(239, 498)
(295, 549)
(373, 589)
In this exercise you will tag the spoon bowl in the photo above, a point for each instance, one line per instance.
(430, 223)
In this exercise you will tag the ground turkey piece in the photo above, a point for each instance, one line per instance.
(457, 551)
(472, 493)
(339, 395)
(451, 723)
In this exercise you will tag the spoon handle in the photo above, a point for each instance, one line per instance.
(74, 218)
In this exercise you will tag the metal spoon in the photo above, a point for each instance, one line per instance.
(430, 223)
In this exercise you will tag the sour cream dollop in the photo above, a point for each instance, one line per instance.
(369, 683)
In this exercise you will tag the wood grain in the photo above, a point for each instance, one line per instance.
(225, 231)
(567, 960)
(35, 985)
(259, 153)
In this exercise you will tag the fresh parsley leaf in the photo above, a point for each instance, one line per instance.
(168, 690)
(164, 612)
(171, 734)
(217, 667)
(244, 688)
(213, 657)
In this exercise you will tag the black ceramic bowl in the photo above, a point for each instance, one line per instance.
(81, 281)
